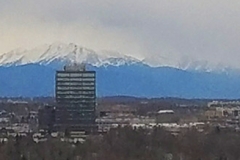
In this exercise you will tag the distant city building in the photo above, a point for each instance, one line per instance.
(165, 116)
(76, 98)
(165, 112)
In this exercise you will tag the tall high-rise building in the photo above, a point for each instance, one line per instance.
(76, 98)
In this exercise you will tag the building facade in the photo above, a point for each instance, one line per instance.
(46, 118)
(76, 98)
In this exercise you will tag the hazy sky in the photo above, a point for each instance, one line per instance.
(205, 30)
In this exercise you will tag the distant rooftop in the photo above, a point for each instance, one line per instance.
(165, 112)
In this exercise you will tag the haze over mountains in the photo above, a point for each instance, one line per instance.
(31, 73)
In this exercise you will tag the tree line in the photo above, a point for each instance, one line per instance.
(130, 144)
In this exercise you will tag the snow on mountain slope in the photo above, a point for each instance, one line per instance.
(187, 63)
(68, 53)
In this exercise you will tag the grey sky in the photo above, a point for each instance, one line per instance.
(205, 30)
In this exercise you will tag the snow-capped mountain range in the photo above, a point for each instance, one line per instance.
(68, 53)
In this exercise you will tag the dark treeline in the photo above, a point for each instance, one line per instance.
(130, 144)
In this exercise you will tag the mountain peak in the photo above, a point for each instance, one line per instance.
(65, 53)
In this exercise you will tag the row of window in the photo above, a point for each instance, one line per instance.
(75, 92)
(79, 104)
(76, 96)
(76, 88)
(76, 83)
(79, 107)
(76, 79)
(76, 102)
(75, 75)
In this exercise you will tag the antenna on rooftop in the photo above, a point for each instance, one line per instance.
(75, 56)
(83, 64)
